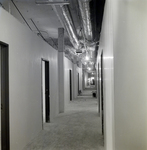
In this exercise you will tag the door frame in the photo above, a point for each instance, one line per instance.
(102, 92)
(78, 83)
(70, 83)
(44, 60)
(5, 126)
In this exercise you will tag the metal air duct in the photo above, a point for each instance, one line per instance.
(70, 27)
(70, 52)
(71, 49)
(86, 20)
(51, 2)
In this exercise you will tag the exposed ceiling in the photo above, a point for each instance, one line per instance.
(45, 20)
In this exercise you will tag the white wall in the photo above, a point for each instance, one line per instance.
(0, 96)
(86, 79)
(75, 80)
(123, 40)
(25, 53)
(130, 73)
(79, 70)
(106, 46)
(68, 65)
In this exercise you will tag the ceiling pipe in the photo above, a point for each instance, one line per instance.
(51, 2)
(71, 49)
(87, 27)
(65, 18)
(68, 23)
(70, 52)
(86, 19)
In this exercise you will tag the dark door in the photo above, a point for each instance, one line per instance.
(70, 84)
(5, 142)
(47, 92)
(102, 96)
(78, 83)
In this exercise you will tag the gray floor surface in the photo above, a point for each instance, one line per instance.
(79, 128)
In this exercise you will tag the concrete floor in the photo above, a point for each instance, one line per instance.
(79, 128)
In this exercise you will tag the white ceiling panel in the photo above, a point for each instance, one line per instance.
(43, 16)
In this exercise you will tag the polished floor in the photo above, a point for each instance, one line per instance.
(79, 128)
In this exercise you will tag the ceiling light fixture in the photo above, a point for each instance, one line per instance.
(86, 58)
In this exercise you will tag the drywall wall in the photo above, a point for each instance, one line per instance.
(85, 78)
(130, 74)
(25, 53)
(0, 94)
(123, 42)
(106, 47)
(67, 66)
(75, 81)
(77, 70)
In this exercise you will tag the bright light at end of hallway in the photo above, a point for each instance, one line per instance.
(92, 78)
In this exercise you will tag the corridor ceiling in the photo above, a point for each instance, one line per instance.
(45, 20)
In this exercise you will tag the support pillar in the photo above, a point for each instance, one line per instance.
(61, 68)
(75, 79)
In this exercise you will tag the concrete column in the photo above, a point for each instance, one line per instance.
(96, 80)
(75, 79)
(61, 68)
(83, 80)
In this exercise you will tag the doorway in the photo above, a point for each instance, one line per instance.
(102, 96)
(45, 91)
(78, 83)
(4, 73)
(70, 84)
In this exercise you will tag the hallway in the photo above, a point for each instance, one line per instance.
(79, 128)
